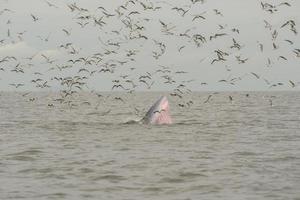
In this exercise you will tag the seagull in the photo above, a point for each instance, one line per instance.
(230, 99)
(67, 32)
(159, 111)
(282, 57)
(217, 12)
(254, 74)
(292, 83)
(34, 18)
(208, 98)
(51, 4)
(16, 85)
(199, 16)
(118, 86)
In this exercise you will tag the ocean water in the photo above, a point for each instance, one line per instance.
(248, 148)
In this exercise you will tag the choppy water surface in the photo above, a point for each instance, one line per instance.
(246, 149)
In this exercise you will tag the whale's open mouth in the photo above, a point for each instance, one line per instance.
(159, 113)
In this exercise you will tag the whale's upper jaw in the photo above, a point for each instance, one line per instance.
(159, 113)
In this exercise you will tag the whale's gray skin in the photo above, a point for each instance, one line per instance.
(159, 113)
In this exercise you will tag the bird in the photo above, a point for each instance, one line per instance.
(181, 105)
(296, 51)
(178, 9)
(107, 15)
(51, 4)
(268, 25)
(17, 85)
(25, 94)
(235, 30)
(68, 33)
(292, 83)
(34, 17)
(208, 98)
(217, 12)
(82, 24)
(235, 45)
(134, 13)
(199, 16)
(159, 111)
(282, 57)
(118, 86)
(289, 41)
(44, 39)
(217, 35)
(119, 99)
(230, 98)
(261, 46)
(240, 60)
(284, 4)
(254, 74)
(180, 48)
(271, 102)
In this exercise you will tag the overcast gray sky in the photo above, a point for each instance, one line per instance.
(45, 36)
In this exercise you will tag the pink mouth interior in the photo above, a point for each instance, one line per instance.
(164, 116)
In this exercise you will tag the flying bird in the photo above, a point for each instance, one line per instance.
(34, 17)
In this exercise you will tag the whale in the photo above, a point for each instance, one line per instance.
(159, 112)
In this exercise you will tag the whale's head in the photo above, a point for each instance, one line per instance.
(159, 113)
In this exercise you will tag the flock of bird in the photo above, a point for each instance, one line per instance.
(127, 38)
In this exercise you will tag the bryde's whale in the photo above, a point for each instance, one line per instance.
(159, 113)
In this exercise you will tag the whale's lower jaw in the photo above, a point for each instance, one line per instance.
(159, 113)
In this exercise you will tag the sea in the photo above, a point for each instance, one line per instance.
(222, 145)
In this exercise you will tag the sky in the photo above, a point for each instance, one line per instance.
(154, 48)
